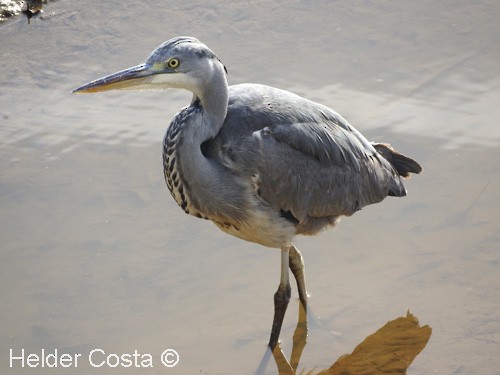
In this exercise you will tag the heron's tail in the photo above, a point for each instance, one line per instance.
(402, 164)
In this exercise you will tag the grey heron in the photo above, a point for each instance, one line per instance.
(261, 163)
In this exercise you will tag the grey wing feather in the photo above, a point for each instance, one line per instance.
(305, 159)
(300, 183)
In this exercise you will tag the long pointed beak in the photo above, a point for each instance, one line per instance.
(134, 78)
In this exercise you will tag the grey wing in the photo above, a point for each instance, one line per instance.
(317, 171)
(304, 158)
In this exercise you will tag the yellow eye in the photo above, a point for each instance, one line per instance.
(173, 63)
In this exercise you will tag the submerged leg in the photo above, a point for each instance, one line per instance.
(281, 298)
(297, 268)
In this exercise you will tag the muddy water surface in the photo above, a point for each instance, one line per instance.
(95, 253)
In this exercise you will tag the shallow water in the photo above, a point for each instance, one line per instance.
(96, 254)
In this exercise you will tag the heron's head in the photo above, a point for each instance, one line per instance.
(181, 62)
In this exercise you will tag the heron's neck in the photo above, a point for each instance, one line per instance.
(196, 182)
(213, 99)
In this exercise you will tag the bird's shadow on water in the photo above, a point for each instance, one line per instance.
(390, 350)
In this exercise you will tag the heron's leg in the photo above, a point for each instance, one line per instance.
(281, 298)
(297, 267)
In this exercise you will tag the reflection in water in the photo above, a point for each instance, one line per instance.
(390, 350)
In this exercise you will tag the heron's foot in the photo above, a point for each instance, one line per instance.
(281, 299)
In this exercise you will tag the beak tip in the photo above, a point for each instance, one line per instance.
(86, 89)
(80, 89)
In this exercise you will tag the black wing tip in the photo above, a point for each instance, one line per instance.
(398, 191)
(401, 163)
